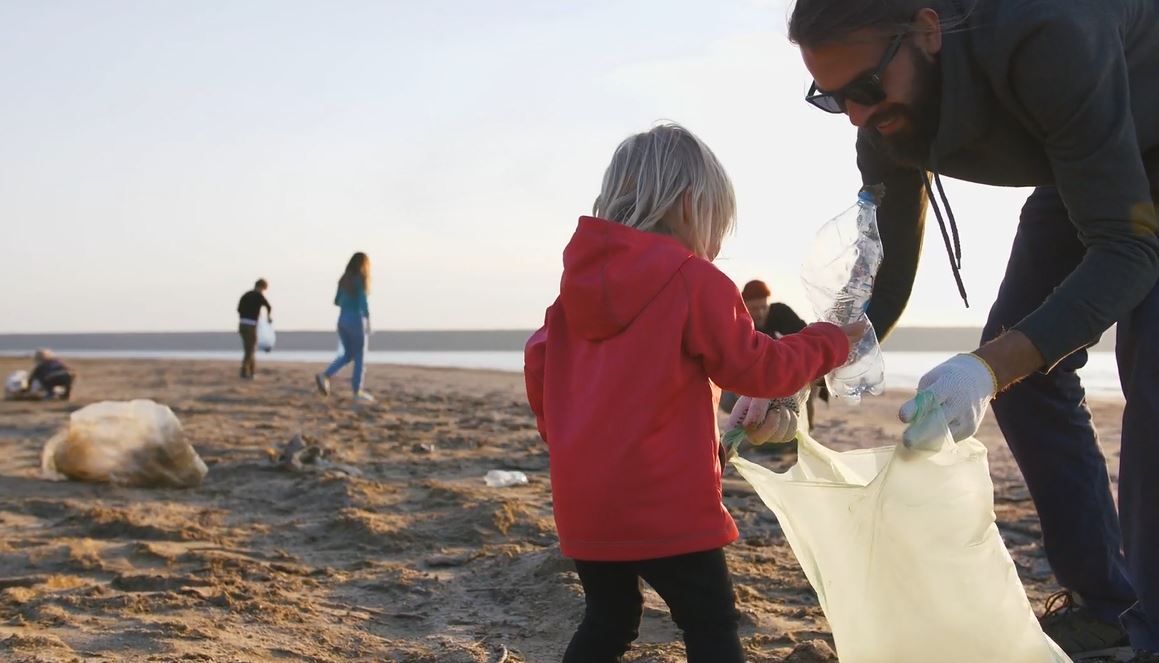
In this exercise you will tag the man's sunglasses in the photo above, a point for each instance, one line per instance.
(865, 90)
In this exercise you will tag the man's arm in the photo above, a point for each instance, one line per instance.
(1012, 356)
(901, 222)
(1069, 75)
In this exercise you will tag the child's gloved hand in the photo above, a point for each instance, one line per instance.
(761, 423)
(747, 412)
(780, 426)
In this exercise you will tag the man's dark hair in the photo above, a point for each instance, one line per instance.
(261, 284)
(816, 22)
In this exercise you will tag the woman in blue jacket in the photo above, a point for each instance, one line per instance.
(353, 326)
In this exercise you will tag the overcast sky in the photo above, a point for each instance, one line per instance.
(157, 157)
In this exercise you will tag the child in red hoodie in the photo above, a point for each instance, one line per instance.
(621, 380)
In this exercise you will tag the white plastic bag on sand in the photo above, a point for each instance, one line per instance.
(266, 335)
(15, 384)
(135, 443)
(902, 550)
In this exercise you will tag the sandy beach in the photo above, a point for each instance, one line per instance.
(411, 559)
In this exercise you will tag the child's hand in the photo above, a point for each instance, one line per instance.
(855, 331)
(780, 426)
(762, 424)
(748, 412)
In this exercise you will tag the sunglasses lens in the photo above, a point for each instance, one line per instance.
(827, 102)
(864, 93)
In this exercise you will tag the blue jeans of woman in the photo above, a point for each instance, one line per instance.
(352, 331)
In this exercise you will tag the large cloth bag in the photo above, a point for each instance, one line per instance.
(903, 551)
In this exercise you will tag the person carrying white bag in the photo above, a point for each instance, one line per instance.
(255, 331)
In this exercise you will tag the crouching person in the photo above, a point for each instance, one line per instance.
(51, 378)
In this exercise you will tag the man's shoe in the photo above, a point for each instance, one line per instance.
(1076, 630)
(323, 383)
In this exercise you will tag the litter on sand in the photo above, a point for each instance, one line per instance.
(130, 443)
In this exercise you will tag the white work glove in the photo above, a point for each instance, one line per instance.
(762, 424)
(963, 386)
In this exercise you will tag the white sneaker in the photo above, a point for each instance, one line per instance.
(363, 397)
(323, 383)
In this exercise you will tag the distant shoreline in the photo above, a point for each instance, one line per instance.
(910, 339)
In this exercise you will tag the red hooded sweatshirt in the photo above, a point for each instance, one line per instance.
(620, 378)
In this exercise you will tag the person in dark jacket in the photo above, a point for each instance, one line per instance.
(1063, 97)
(774, 319)
(755, 295)
(51, 377)
(782, 320)
(768, 316)
(249, 309)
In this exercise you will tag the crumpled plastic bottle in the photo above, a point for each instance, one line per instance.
(838, 276)
(504, 478)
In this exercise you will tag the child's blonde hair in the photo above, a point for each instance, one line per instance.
(651, 171)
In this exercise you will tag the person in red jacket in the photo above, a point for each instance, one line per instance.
(621, 381)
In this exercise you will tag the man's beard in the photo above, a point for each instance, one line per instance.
(911, 144)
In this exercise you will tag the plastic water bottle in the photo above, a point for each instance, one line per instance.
(504, 478)
(838, 276)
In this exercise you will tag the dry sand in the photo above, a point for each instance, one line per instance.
(416, 560)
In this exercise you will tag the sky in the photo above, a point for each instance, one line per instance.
(158, 157)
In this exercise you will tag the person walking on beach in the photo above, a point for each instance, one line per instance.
(249, 309)
(1064, 97)
(620, 379)
(353, 327)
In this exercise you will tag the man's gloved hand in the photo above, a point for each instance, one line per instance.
(762, 424)
(963, 386)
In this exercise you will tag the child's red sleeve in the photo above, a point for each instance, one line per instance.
(719, 331)
(534, 354)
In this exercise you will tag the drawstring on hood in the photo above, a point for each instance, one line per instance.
(954, 249)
